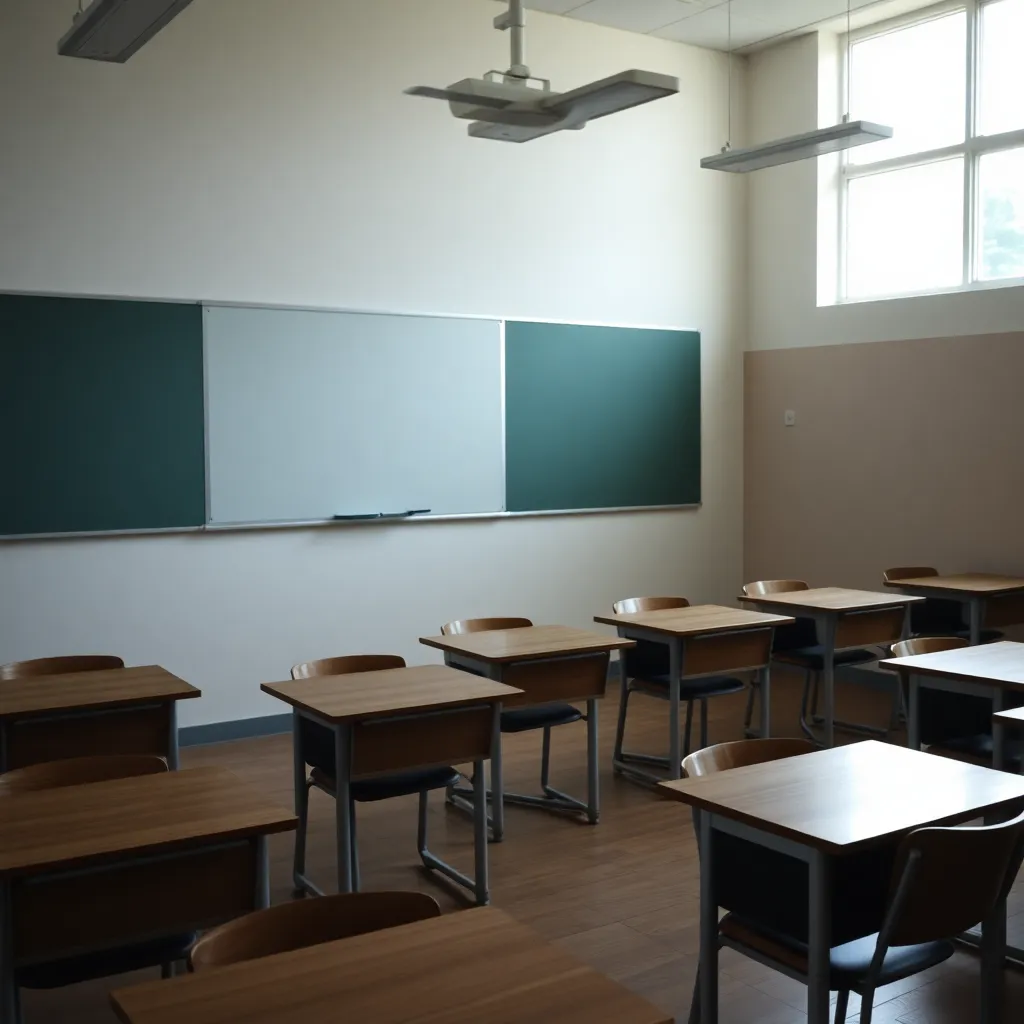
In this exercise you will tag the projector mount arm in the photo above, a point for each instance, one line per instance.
(514, 21)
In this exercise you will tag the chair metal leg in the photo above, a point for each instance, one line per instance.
(703, 724)
(867, 1007)
(686, 733)
(842, 1005)
(806, 708)
(748, 716)
(421, 825)
(356, 877)
(545, 760)
(167, 970)
(694, 1017)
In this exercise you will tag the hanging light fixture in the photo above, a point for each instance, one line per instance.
(805, 146)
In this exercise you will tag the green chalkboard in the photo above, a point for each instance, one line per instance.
(600, 417)
(101, 417)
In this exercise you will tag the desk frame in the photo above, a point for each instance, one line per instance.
(624, 762)
(343, 817)
(552, 799)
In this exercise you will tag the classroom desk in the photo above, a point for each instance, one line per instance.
(702, 640)
(116, 711)
(832, 803)
(862, 614)
(99, 865)
(472, 966)
(988, 670)
(1001, 596)
(394, 720)
(1001, 721)
(549, 664)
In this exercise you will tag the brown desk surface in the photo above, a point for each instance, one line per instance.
(72, 825)
(832, 599)
(83, 691)
(696, 620)
(464, 968)
(396, 691)
(846, 798)
(999, 664)
(526, 643)
(972, 584)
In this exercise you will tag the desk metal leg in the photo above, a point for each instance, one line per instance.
(482, 888)
(593, 774)
(173, 755)
(675, 768)
(9, 1010)
(993, 956)
(827, 635)
(708, 969)
(913, 713)
(343, 804)
(766, 703)
(819, 939)
(262, 872)
(975, 609)
(3, 746)
(998, 731)
(497, 785)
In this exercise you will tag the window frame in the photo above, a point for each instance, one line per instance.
(972, 149)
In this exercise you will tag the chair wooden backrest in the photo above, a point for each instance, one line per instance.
(346, 664)
(924, 906)
(308, 922)
(908, 572)
(762, 588)
(459, 626)
(60, 666)
(739, 753)
(632, 605)
(75, 771)
(927, 645)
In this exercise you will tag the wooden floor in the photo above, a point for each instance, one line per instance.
(622, 896)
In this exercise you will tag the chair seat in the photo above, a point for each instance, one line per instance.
(422, 780)
(813, 658)
(848, 964)
(103, 964)
(541, 717)
(689, 689)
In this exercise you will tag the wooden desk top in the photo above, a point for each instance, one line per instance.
(970, 584)
(81, 691)
(395, 691)
(851, 797)
(464, 968)
(696, 620)
(831, 599)
(72, 825)
(526, 643)
(999, 664)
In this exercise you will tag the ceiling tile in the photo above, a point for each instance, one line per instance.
(710, 28)
(633, 15)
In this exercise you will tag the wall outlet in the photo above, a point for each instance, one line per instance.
(790, 418)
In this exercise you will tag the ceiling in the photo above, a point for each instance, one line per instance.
(706, 22)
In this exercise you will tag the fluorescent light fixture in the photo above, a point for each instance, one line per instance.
(610, 95)
(112, 30)
(798, 147)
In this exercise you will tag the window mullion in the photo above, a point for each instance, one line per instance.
(970, 156)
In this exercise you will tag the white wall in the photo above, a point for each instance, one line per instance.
(788, 87)
(261, 151)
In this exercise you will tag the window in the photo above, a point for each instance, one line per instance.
(940, 206)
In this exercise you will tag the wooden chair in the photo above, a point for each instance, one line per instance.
(740, 753)
(60, 666)
(923, 916)
(798, 646)
(162, 952)
(304, 923)
(648, 672)
(78, 771)
(935, 616)
(521, 719)
(318, 747)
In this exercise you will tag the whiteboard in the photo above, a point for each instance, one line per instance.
(311, 415)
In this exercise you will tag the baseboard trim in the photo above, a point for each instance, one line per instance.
(239, 729)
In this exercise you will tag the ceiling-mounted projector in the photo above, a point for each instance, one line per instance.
(112, 30)
(506, 107)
